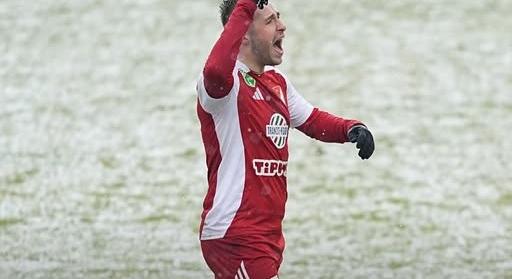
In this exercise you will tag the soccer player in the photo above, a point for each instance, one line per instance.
(246, 107)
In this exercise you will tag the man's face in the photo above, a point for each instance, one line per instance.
(266, 35)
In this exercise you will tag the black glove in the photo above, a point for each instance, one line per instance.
(364, 140)
(260, 3)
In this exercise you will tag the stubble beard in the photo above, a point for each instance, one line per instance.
(263, 53)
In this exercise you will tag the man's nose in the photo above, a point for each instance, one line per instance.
(280, 25)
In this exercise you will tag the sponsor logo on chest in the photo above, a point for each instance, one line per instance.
(269, 167)
(277, 130)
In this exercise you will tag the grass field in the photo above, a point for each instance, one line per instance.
(102, 170)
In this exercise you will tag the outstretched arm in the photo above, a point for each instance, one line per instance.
(218, 78)
(326, 127)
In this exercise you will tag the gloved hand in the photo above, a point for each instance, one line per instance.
(260, 3)
(364, 139)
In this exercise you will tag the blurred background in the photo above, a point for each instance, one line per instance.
(102, 171)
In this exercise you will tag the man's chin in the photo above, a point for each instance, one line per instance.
(276, 61)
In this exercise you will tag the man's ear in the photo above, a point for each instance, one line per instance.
(245, 40)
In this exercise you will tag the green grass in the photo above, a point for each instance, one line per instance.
(10, 222)
(505, 199)
(21, 177)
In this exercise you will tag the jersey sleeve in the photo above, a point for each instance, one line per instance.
(299, 108)
(214, 105)
(327, 127)
(313, 122)
(217, 78)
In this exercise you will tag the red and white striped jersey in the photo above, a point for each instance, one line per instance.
(245, 120)
(245, 135)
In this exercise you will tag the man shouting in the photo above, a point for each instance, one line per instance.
(246, 107)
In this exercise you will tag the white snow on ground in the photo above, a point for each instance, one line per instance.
(102, 171)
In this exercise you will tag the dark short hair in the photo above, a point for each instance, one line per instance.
(226, 8)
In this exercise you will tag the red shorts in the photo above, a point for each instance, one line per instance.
(244, 257)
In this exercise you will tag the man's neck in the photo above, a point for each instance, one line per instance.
(253, 66)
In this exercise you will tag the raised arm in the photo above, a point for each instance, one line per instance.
(218, 78)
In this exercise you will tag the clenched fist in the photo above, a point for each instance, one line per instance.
(364, 139)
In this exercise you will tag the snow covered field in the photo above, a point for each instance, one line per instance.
(102, 171)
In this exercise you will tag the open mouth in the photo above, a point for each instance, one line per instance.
(278, 45)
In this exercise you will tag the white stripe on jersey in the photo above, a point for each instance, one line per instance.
(231, 173)
(212, 105)
(257, 95)
(243, 271)
(239, 274)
